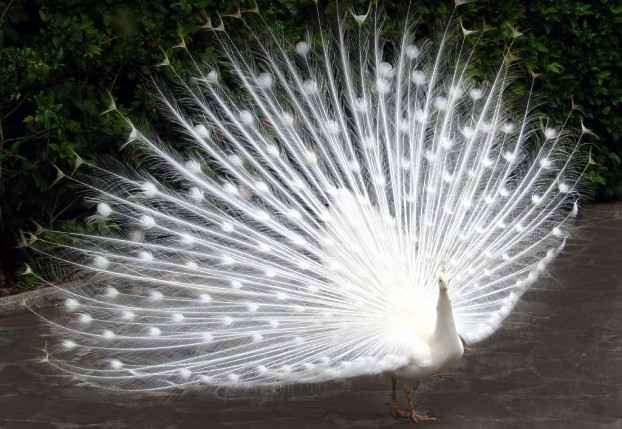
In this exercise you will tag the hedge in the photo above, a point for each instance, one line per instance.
(60, 60)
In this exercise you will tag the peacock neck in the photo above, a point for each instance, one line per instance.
(445, 329)
(445, 346)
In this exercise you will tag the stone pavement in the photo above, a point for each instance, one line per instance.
(557, 363)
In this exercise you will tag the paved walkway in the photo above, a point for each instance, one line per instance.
(557, 363)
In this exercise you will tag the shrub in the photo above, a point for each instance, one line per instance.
(59, 60)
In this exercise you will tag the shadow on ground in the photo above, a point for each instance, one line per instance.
(557, 363)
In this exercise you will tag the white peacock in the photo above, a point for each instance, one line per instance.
(348, 214)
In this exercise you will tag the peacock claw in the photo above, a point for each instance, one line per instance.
(397, 412)
(418, 418)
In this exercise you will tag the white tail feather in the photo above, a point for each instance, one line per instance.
(345, 184)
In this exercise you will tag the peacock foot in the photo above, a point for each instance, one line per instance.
(397, 412)
(418, 418)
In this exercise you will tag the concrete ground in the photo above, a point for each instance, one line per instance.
(557, 363)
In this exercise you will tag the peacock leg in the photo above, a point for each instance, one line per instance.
(395, 405)
(414, 417)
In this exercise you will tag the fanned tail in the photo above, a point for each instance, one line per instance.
(300, 235)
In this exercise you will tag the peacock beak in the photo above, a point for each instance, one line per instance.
(443, 282)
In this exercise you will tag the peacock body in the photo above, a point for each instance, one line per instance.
(361, 208)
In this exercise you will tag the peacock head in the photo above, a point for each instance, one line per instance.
(443, 282)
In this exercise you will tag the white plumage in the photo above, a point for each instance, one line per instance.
(300, 232)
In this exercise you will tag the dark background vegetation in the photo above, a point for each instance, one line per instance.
(59, 60)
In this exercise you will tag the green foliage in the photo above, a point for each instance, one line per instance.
(59, 59)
